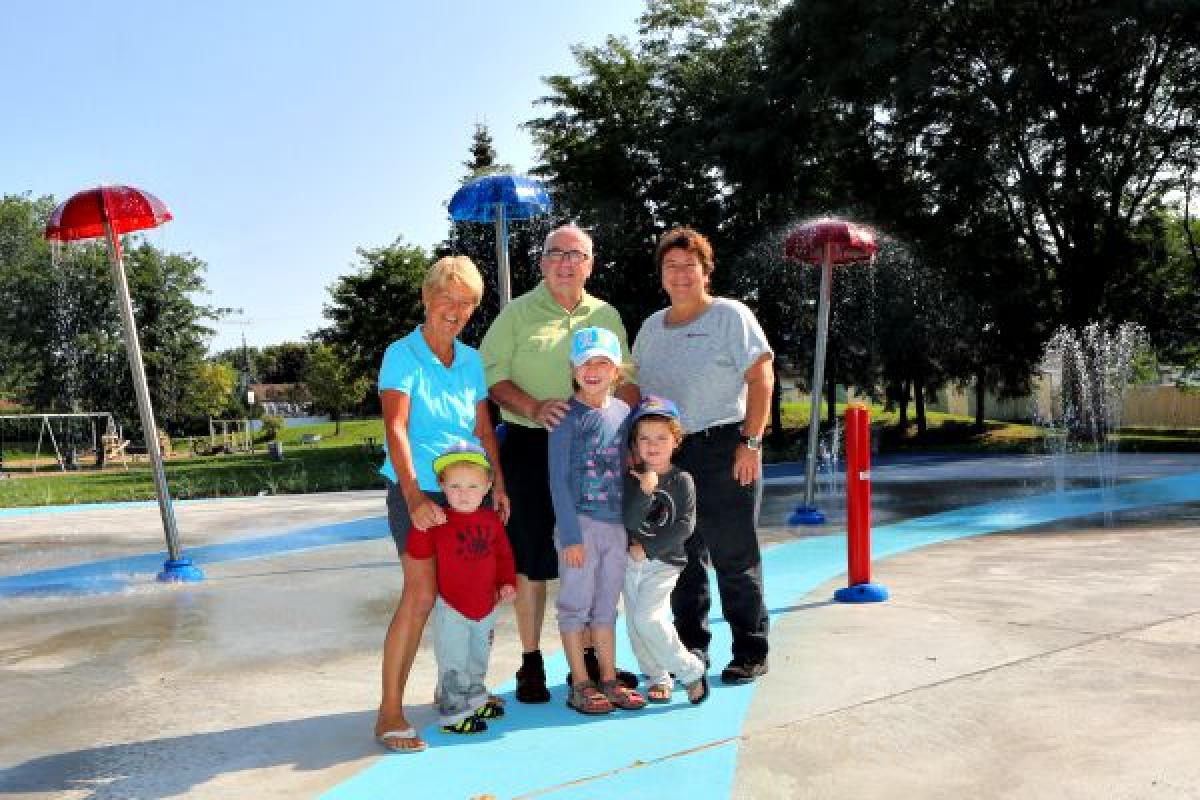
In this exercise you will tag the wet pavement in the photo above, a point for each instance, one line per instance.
(1035, 661)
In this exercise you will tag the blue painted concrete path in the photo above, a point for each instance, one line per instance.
(115, 574)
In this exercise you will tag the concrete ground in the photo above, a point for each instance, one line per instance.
(1039, 664)
(1059, 660)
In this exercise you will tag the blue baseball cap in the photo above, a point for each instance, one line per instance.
(653, 405)
(592, 342)
(461, 453)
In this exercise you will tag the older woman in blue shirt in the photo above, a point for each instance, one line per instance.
(434, 395)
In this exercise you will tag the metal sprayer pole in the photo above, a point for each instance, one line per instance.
(502, 270)
(145, 410)
(818, 375)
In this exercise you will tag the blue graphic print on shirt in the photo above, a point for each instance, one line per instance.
(586, 455)
(597, 468)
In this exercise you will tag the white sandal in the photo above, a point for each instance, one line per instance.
(407, 733)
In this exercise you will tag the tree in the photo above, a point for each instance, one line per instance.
(643, 139)
(598, 146)
(171, 325)
(1024, 169)
(1017, 160)
(333, 384)
(210, 390)
(285, 362)
(1168, 284)
(244, 360)
(483, 155)
(374, 306)
(1087, 130)
(1072, 139)
(23, 257)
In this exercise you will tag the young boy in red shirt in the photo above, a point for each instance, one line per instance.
(474, 572)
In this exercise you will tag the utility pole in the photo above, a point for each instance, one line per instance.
(245, 366)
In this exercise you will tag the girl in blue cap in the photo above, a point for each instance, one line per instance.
(586, 460)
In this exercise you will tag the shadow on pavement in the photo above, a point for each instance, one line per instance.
(175, 765)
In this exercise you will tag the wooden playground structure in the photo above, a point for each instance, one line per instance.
(225, 436)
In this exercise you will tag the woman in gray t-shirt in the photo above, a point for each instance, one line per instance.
(710, 356)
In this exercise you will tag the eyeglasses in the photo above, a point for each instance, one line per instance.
(570, 256)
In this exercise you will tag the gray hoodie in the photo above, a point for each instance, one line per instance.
(663, 521)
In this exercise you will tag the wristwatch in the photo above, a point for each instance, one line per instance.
(752, 442)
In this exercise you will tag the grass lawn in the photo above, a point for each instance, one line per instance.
(945, 432)
(335, 463)
(350, 459)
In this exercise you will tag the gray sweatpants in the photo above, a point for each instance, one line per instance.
(587, 595)
(461, 646)
(648, 586)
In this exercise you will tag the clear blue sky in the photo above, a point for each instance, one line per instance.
(282, 135)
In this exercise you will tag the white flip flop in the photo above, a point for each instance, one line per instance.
(406, 733)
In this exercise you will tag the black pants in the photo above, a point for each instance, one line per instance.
(726, 522)
(524, 457)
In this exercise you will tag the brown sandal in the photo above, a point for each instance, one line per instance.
(587, 699)
(622, 696)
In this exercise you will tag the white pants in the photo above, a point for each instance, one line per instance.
(656, 645)
(461, 646)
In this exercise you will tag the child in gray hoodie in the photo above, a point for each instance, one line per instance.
(660, 515)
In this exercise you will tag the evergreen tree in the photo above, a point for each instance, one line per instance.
(483, 155)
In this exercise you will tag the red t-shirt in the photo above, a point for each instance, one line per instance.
(473, 559)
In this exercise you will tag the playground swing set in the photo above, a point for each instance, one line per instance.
(29, 442)
(67, 436)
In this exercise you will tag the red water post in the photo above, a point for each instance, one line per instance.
(858, 493)
(859, 588)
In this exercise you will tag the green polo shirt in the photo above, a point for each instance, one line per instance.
(529, 343)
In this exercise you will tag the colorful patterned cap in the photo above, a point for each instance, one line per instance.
(592, 342)
(653, 405)
(461, 453)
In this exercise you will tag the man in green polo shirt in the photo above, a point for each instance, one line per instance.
(526, 359)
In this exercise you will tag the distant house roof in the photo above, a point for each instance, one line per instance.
(276, 391)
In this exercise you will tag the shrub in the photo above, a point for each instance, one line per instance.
(271, 426)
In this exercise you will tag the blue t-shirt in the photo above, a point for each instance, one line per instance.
(587, 461)
(442, 400)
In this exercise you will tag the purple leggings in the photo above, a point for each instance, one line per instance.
(587, 595)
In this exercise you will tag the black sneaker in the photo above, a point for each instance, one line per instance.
(743, 671)
(471, 724)
(531, 679)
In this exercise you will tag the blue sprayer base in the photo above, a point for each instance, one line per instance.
(806, 515)
(180, 570)
(861, 593)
